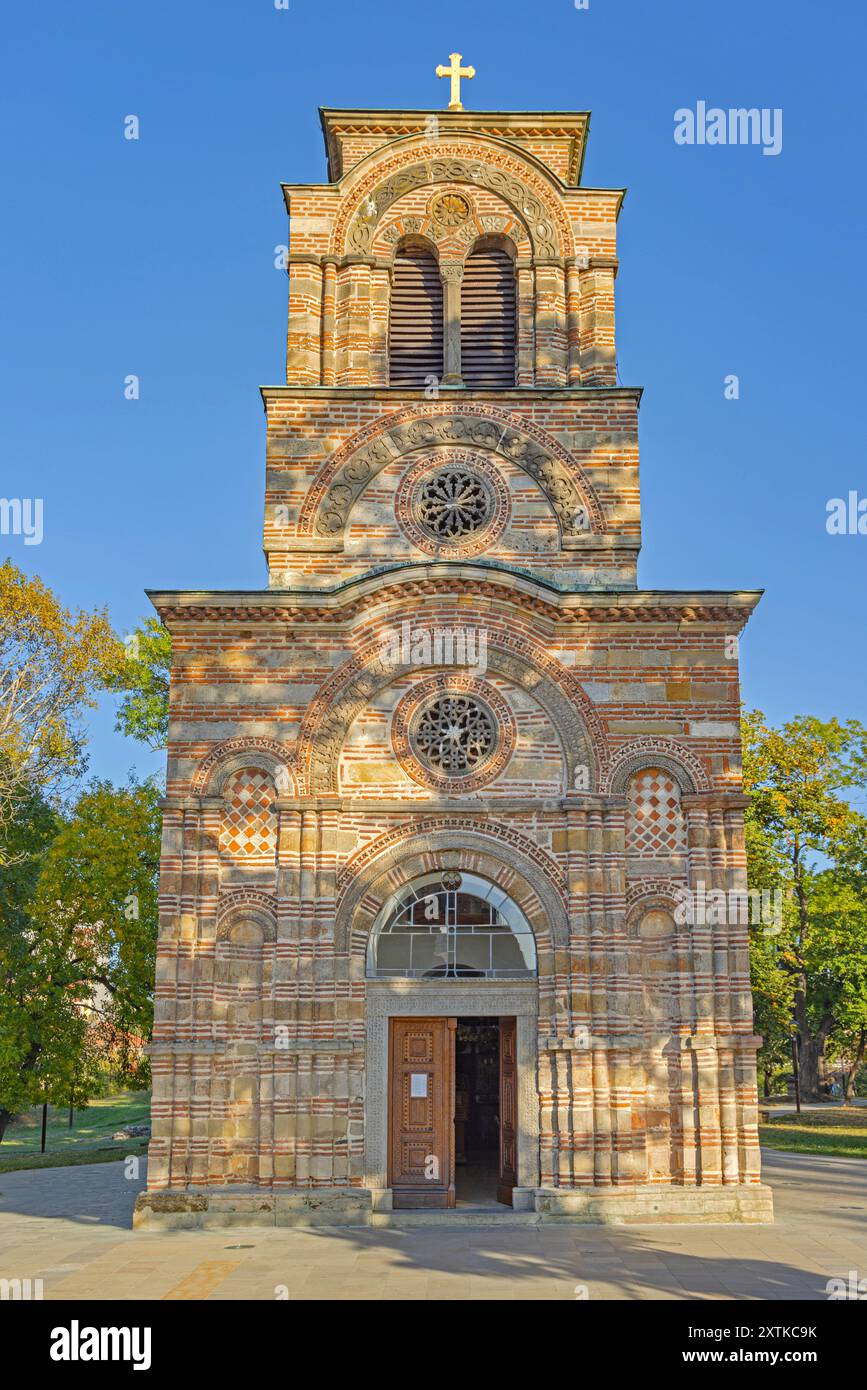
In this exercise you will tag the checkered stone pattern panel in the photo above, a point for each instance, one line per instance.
(654, 819)
(249, 831)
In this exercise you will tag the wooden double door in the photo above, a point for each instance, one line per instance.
(421, 1125)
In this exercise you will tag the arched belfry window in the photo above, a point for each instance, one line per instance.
(449, 925)
(415, 330)
(488, 317)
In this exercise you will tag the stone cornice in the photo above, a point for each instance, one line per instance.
(323, 258)
(511, 126)
(327, 545)
(410, 811)
(693, 1042)
(419, 583)
(715, 801)
(521, 395)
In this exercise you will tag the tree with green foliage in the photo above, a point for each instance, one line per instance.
(802, 830)
(141, 674)
(78, 941)
(773, 990)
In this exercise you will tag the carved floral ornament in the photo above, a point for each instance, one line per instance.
(449, 210)
(553, 474)
(540, 225)
(462, 234)
(451, 272)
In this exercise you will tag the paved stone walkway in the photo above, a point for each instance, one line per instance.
(70, 1228)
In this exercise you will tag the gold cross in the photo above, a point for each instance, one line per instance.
(455, 72)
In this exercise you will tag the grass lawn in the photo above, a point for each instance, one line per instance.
(89, 1140)
(835, 1132)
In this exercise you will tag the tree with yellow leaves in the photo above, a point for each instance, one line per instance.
(52, 664)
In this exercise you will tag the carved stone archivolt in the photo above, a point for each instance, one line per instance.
(493, 851)
(235, 753)
(648, 895)
(342, 698)
(640, 753)
(344, 476)
(513, 181)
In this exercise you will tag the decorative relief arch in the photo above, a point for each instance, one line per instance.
(640, 753)
(237, 753)
(395, 859)
(648, 895)
(526, 191)
(345, 694)
(246, 906)
(344, 476)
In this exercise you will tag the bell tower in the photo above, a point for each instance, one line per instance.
(453, 260)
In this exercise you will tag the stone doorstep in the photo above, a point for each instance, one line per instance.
(752, 1205)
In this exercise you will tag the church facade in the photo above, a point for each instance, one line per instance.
(442, 798)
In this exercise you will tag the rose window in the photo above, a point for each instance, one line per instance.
(454, 735)
(453, 503)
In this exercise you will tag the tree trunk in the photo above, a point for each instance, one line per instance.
(7, 1116)
(850, 1074)
(809, 1052)
(811, 1047)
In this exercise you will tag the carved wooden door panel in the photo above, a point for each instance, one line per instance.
(508, 1176)
(421, 1166)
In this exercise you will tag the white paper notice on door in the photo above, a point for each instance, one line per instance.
(418, 1083)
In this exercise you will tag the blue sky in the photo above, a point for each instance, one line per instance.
(155, 257)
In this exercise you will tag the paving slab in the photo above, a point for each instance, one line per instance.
(71, 1228)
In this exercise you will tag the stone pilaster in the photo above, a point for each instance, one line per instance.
(353, 323)
(380, 292)
(596, 325)
(526, 309)
(303, 335)
(329, 297)
(550, 326)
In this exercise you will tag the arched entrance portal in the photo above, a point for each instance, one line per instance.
(451, 962)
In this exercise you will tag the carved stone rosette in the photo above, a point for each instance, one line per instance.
(492, 716)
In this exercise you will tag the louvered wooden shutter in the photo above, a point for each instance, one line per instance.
(416, 320)
(488, 319)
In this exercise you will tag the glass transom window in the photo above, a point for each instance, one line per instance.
(451, 926)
